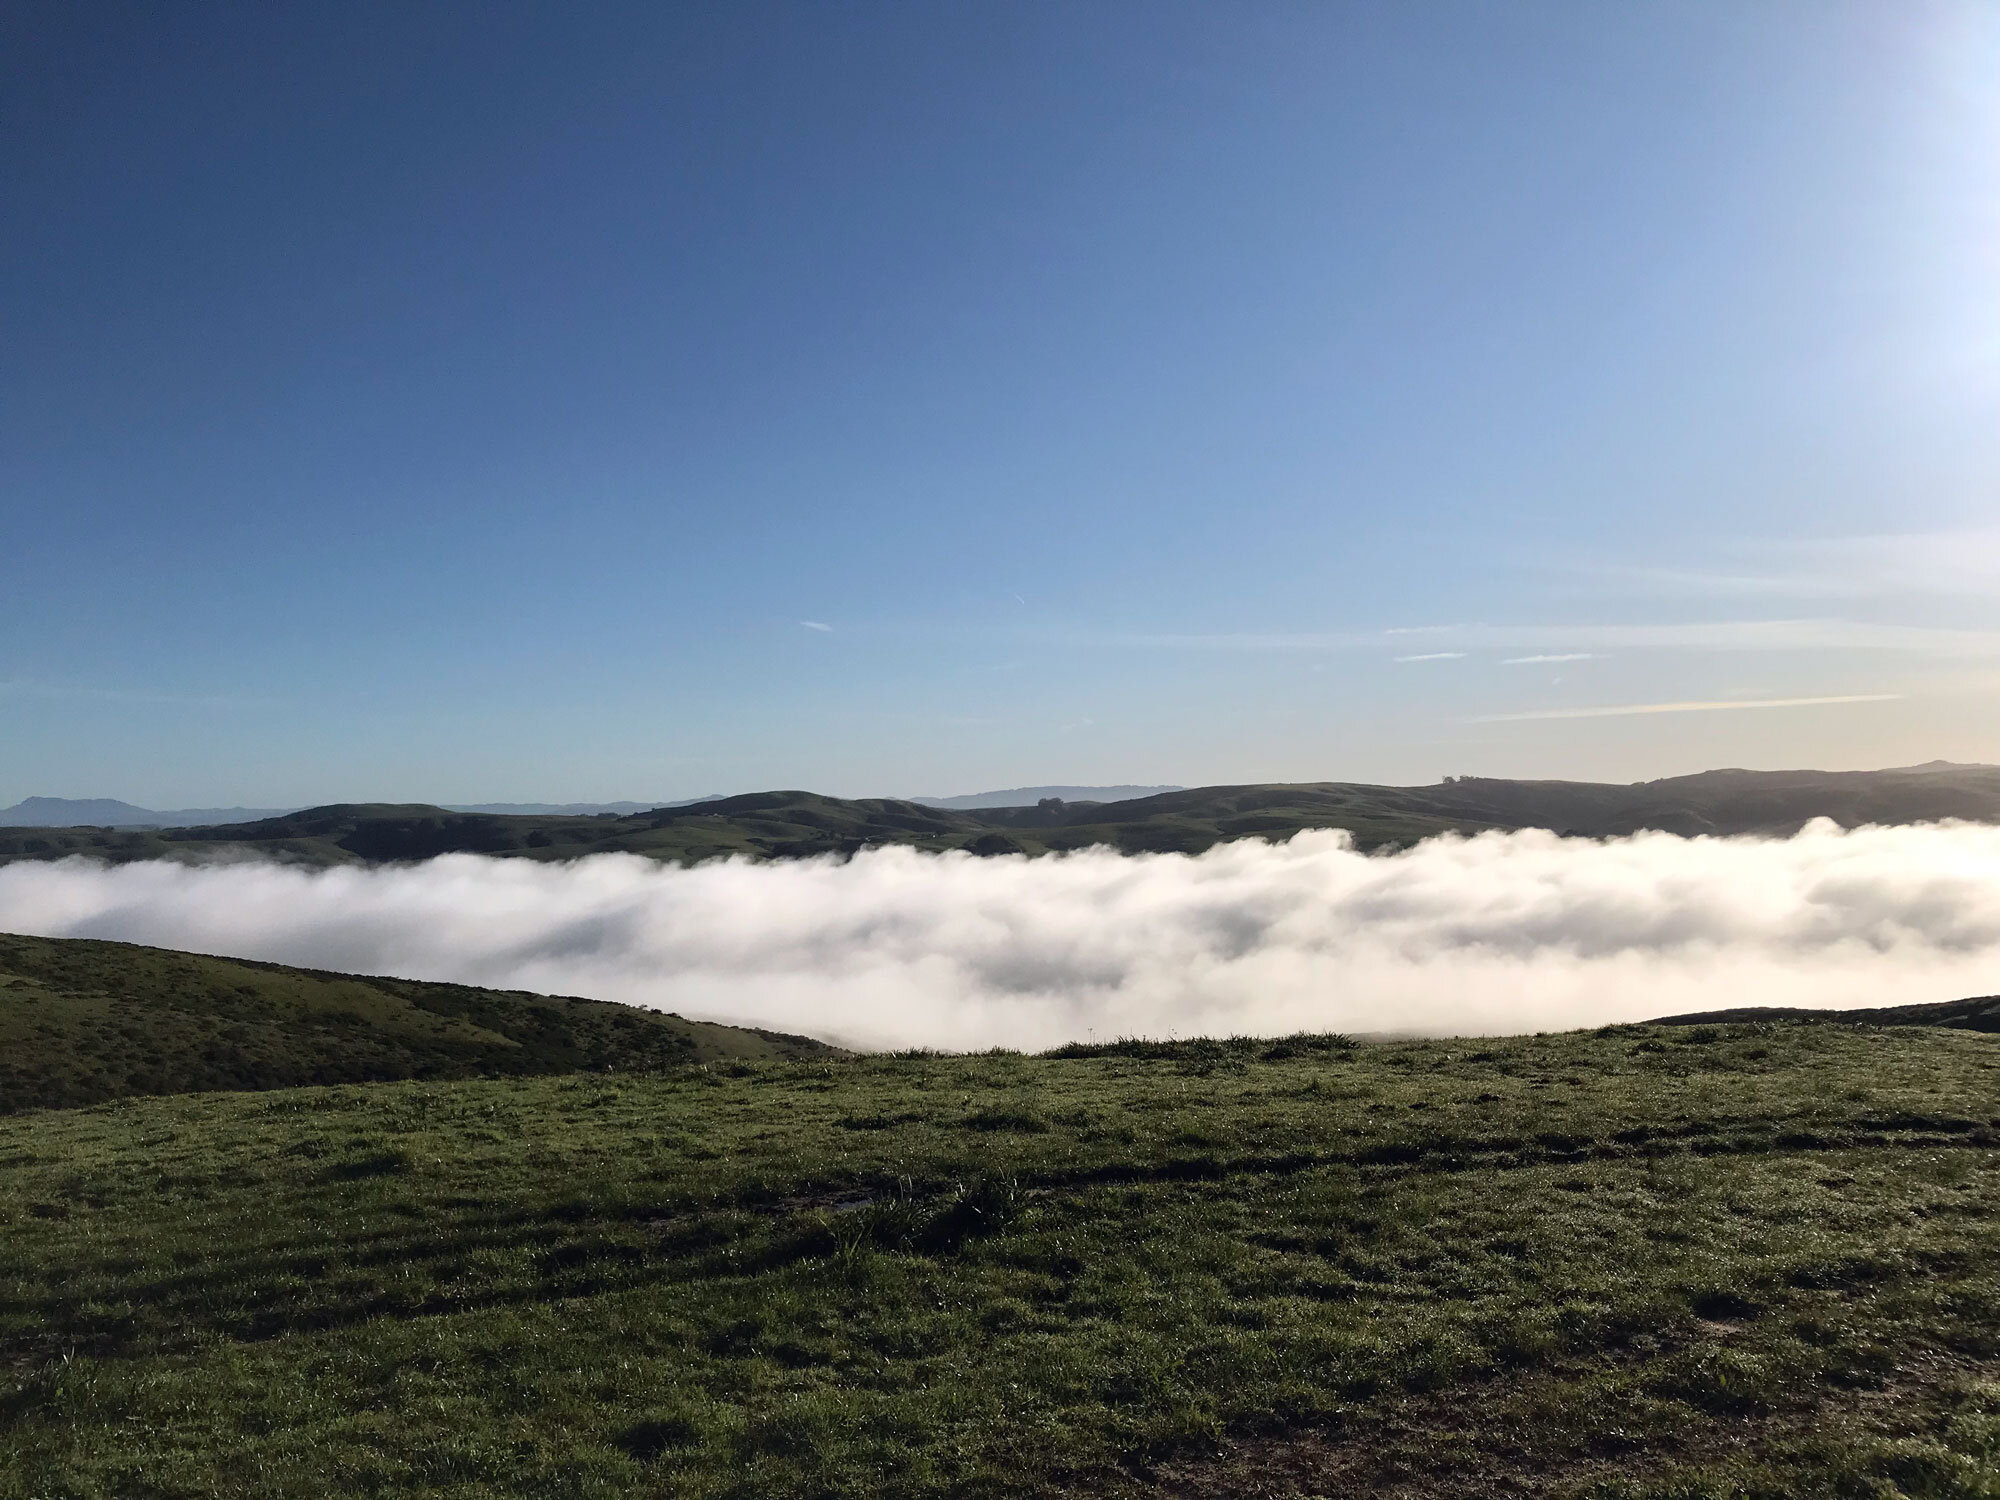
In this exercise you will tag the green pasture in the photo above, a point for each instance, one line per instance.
(1731, 1261)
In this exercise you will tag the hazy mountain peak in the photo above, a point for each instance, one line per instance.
(56, 812)
(109, 812)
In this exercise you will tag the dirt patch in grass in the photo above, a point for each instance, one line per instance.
(1599, 1432)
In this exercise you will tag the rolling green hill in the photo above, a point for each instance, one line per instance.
(84, 1021)
(761, 825)
(792, 824)
(1648, 1263)
(1713, 802)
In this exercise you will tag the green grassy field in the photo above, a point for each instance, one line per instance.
(84, 1021)
(1732, 1261)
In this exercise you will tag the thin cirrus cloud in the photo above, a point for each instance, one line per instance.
(1693, 706)
(1911, 564)
(817, 625)
(1721, 635)
(1434, 656)
(1531, 661)
(1505, 932)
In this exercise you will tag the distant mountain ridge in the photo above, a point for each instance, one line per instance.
(800, 824)
(1028, 796)
(109, 812)
(570, 809)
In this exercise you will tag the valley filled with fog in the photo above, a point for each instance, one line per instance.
(893, 948)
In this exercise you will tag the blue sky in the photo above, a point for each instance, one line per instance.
(467, 402)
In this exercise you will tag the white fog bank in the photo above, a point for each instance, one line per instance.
(1500, 933)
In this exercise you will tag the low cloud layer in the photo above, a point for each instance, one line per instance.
(1500, 933)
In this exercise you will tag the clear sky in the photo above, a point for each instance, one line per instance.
(478, 401)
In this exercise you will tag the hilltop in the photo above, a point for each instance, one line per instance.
(792, 824)
(1028, 796)
(83, 1021)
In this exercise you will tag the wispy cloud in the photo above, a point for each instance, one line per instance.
(1530, 661)
(1696, 706)
(817, 625)
(1434, 656)
(1716, 635)
(1905, 564)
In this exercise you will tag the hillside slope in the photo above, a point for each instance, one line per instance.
(83, 1021)
(1980, 1013)
(793, 824)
